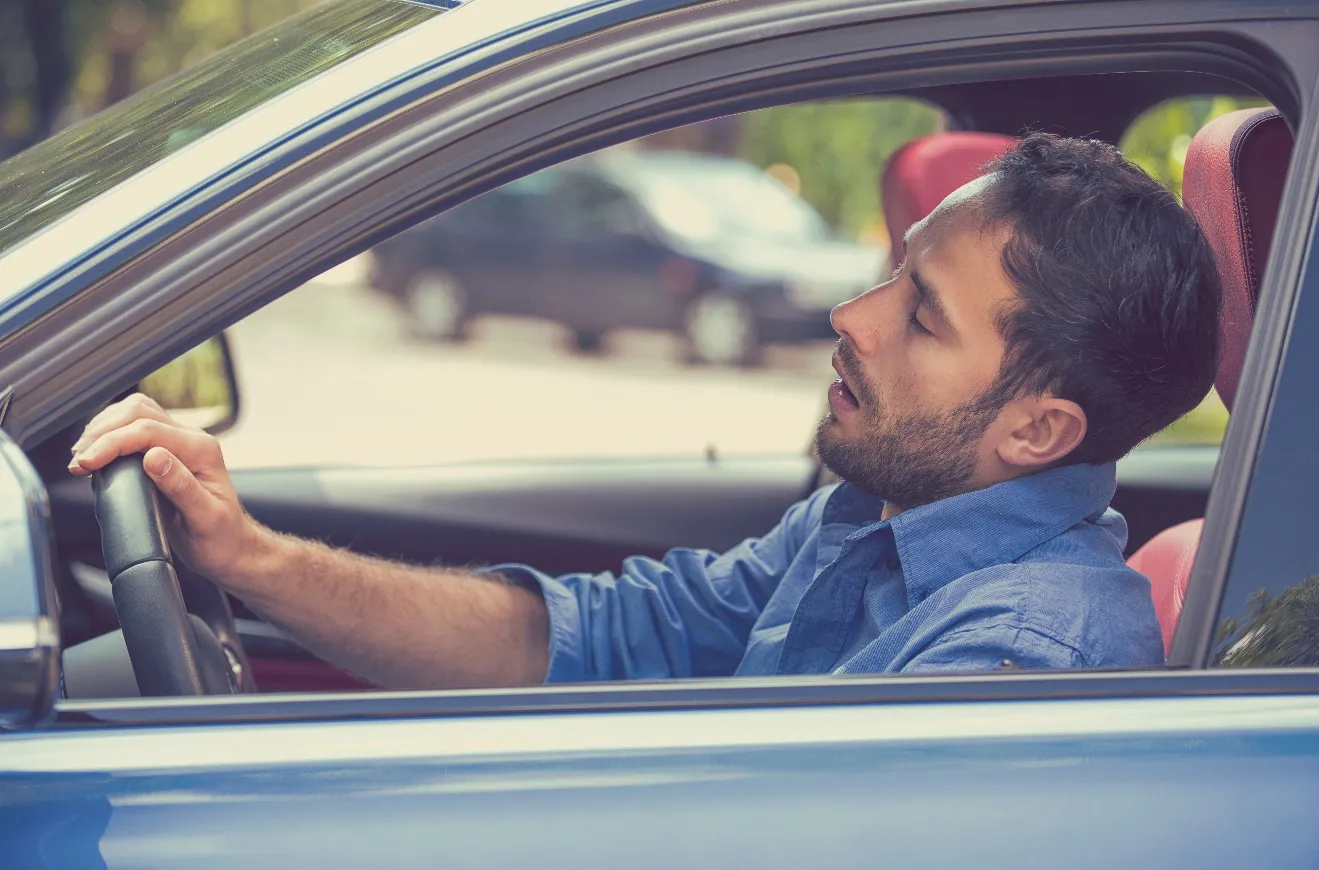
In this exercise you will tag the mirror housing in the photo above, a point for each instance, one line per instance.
(29, 626)
(198, 388)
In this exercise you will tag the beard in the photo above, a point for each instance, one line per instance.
(907, 460)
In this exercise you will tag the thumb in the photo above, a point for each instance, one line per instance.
(178, 484)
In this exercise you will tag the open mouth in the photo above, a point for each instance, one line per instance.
(841, 397)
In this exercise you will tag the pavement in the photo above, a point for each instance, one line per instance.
(328, 375)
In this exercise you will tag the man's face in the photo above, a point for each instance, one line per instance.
(911, 418)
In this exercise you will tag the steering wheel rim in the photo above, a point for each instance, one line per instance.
(172, 651)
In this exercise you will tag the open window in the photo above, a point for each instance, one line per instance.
(586, 501)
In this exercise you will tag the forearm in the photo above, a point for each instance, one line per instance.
(398, 626)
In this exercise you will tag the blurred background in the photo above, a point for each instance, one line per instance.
(664, 297)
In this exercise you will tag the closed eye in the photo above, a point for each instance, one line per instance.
(915, 324)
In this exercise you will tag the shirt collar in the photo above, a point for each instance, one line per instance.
(939, 542)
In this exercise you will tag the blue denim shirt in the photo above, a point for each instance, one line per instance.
(1029, 572)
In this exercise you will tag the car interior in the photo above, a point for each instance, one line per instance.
(572, 516)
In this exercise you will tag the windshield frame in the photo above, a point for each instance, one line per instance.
(186, 185)
(53, 178)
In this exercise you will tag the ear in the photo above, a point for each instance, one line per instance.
(1051, 429)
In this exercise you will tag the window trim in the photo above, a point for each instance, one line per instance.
(701, 694)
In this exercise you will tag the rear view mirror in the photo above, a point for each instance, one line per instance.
(198, 388)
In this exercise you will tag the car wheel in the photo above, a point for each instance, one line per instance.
(588, 340)
(720, 329)
(437, 306)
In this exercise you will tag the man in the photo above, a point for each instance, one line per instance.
(1047, 318)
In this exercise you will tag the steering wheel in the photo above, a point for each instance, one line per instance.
(173, 651)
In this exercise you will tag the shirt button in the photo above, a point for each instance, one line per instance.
(893, 564)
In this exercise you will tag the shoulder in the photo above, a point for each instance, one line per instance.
(1102, 613)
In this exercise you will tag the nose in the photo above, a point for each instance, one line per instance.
(863, 319)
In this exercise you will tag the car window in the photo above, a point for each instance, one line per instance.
(582, 205)
(706, 333)
(52, 179)
(1157, 141)
(1269, 613)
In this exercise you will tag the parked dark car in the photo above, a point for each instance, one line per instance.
(710, 247)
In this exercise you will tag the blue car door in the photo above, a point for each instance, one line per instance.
(1204, 779)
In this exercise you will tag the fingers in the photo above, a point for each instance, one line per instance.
(136, 406)
(197, 506)
(199, 451)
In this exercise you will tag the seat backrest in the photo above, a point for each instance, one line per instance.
(1232, 184)
(1167, 559)
(921, 173)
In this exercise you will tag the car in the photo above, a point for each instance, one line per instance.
(706, 246)
(146, 231)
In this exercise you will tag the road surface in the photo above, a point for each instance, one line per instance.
(329, 376)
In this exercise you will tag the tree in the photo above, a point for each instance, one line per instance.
(34, 67)
(1158, 140)
(838, 149)
(1280, 632)
(61, 60)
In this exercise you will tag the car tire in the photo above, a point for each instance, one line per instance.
(721, 329)
(588, 340)
(437, 305)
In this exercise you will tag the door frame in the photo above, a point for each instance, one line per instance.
(586, 93)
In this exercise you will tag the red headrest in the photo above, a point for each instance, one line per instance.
(1235, 168)
(921, 173)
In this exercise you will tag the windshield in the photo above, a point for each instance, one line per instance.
(707, 199)
(50, 180)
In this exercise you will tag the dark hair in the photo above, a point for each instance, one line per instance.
(1119, 295)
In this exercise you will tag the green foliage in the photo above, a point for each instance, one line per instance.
(51, 179)
(1205, 424)
(102, 50)
(1280, 632)
(838, 149)
(1158, 139)
(174, 35)
(198, 379)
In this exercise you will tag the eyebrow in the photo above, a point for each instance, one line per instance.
(932, 300)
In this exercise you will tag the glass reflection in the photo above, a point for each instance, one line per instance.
(1279, 632)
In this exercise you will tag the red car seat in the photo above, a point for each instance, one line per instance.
(921, 173)
(1233, 181)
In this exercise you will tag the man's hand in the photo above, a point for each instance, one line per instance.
(397, 625)
(214, 532)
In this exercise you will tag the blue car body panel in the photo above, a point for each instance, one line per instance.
(1186, 783)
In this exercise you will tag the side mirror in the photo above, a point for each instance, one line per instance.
(199, 388)
(29, 627)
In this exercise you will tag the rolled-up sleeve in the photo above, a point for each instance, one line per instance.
(686, 615)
